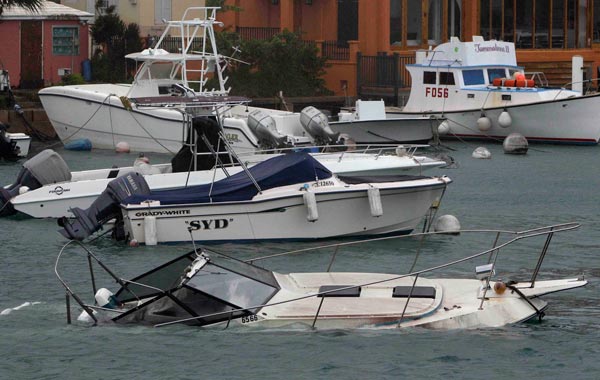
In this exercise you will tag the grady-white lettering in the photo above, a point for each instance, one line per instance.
(161, 213)
(209, 224)
(435, 92)
(323, 183)
(232, 137)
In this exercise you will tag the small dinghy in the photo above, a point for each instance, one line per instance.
(211, 289)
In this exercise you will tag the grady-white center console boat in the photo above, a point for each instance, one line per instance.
(210, 289)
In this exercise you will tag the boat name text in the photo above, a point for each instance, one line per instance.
(209, 224)
(435, 92)
(485, 49)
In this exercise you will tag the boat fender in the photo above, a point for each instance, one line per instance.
(515, 143)
(150, 230)
(310, 200)
(484, 123)
(375, 201)
(444, 128)
(481, 152)
(447, 224)
(401, 151)
(122, 147)
(105, 298)
(505, 120)
(499, 287)
(23, 189)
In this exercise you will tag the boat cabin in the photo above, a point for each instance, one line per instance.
(470, 75)
(211, 286)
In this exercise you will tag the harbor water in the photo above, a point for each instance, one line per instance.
(549, 185)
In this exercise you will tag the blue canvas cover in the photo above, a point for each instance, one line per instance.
(278, 171)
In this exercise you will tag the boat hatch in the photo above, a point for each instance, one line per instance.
(344, 291)
(417, 292)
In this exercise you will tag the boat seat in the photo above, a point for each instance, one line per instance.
(351, 292)
(417, 292)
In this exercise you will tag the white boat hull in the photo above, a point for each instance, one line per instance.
(342, 211)
(571, 121)
(98, 114)
(388, 131)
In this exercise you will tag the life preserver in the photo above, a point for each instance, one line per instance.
(504, 82)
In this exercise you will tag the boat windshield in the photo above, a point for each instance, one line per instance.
(234, 282)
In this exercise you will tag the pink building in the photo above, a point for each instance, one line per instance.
(38, 48)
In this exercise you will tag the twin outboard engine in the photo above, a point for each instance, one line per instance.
(265, 128)
(316, 124)
(44, 168)
(104, 208)
(8, 148)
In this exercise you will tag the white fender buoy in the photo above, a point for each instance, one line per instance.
(150, 230)
(444, 128)
(133, 243)
(122, 147)
(484, 123)
(481, 152)
(515, 143)
(447, 224)
(85, 317)
(23, 189)
(104, 298)
(310, 200)
(504, 120)
(401, 151)
(375, 201)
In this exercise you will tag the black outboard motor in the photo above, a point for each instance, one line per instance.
(207, 127)
(105, 208)
(8, 148)
(42, 169)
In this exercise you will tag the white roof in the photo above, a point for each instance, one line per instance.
(47, 10)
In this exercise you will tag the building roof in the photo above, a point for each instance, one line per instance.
(48, 10)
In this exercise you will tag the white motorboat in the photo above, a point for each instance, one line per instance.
(13, 145)
(482, 93)
(47, 188)
(106, 114)
(210, 289)
(368, 123)
(287, 197)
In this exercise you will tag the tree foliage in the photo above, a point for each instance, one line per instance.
(32, 5)
(117, 39)
(283, 63)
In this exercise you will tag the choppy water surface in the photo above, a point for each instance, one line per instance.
(552, 184)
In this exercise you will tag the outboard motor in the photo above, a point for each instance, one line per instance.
(316, 124)
(207, 127)
(8, 148)
(105, 208)
(42, 169)
(265, 128)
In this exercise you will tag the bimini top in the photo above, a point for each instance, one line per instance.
(283, 170)
(476, 53)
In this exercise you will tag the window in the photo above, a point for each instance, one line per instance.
(473, 77)
(496, 73)
(396, 22)
(65, 40)
(429, 77)
(441, 19)
(413, 23)
(446, 78)
(540, 24)
(162, 11)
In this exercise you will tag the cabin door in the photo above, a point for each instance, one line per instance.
(31, 55)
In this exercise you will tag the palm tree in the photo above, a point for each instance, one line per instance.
(32, 5)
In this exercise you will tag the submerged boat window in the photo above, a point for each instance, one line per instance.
(446, 78)
(473, 77)
(496, 73)
(233, 288)
(429, 77)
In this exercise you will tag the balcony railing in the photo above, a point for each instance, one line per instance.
(336, 50)
(256, 33)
